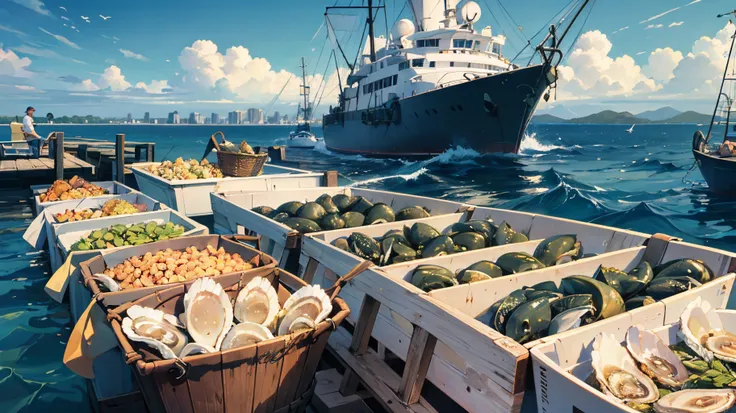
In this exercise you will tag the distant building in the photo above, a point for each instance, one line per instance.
(236, 117)
(275, 119)
(215, 118)
(255, 116)
(146, 117)
(196, 119)
(155, 122)
(130, 118)
(174, 118)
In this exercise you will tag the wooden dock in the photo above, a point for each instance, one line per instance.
(18, 172)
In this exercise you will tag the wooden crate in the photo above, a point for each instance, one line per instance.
(43, 227)
(114, 187)
(232, 212)
(191, 197)
(561, 366)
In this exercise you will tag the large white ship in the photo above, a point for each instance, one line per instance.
(438, 82)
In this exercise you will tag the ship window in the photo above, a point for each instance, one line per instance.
(396, 79)
(431, 64)
(458, 43)
(417, 62)
(468, 44)
(476, 45)
(496, 49)
(403, 65)
(452, 64)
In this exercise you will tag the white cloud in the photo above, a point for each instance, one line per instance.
(132, 55)
(33, 51)
(64, 18)
(640, 53)
(35, 5)
(237, 74)
(620, 30)
(61, 39)
(155, 87)
(11, 30)
(654, 26)
(693, 2)
(676, 24)
(662, 62)
(12, 65)
(86, 86)
(113, 79)
(659, 15)
(26, 88)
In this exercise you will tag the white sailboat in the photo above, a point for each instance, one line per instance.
(303, 137)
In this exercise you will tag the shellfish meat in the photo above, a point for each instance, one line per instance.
(257, 303)
(208, 313)
(156, 329)
(703, 332)
(697, 401)
(618, 374)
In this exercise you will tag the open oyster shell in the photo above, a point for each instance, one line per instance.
(156, 329)
(618, 374)
(309, 302)
(245, 334)
(257, 303)
(702, 330)
(697, 401)
(208, 313)
(657, 360)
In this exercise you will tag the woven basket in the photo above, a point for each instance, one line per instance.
(238, 164)
(273, 376)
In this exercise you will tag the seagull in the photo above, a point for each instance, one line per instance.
(85, 18)
(63, 8)
(74, 28)
(631, 129)
(167, 60)
(64, 18)
(105, 17)
(65, 25)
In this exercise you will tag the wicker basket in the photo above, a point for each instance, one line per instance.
(273, 376)
(238, 164)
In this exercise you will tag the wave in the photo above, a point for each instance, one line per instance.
(406, 177)
(643, 217)
(321, 147)
(530, 144)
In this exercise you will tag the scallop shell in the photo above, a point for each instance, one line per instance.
(697, 321)
(154, 328)
(309, 302)
(195, 348)
(257, 303)
(618, 374)
(697, 401)
(245, 334)
(659, 360)
(208, 313)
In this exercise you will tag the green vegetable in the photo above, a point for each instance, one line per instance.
(121, 235)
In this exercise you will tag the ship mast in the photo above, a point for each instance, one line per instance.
(723, 82)
(370, 31)
(305, 92)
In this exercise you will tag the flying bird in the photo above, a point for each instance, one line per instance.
(85, 18)
(65, 25)
(105, 17)
(74, 28)
(167, 60)
(63, 8)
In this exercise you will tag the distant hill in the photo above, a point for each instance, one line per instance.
(660, 114)
(609, 117)
(545, 118)
(690, 117)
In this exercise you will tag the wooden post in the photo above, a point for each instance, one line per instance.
(120, 157)
(421, 349)
(149, 152)
(82, 152)
(59, 155)
(330, 178)
(277, 153)
(361, 338)
(138, 150)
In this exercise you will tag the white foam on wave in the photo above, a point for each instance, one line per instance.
(531, 144)
(321, 147)
(458, 155)
(406, 177)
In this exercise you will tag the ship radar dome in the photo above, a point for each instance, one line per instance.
(403, 27)
(469, 13)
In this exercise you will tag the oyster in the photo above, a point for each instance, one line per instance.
(697, 401)
(156, 329)
(327, 203)
(257, 303)
(618, 374)
(441, 245)
(312, 211)
(208, 314)
(195, 348)
(657, 360)
(516, 262)
(703, 332)
(310, 302)
(245, 334)
(503, 308)
(685, 267)
(468, 241)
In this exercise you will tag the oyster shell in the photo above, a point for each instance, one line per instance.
(618, 374)
(703, 332)
(245, 334)
(657, 360)
(697, 401)
(107, 281)
(195, 348)
(156, 329)
(208, 313)
(257, 303)
(309, 302)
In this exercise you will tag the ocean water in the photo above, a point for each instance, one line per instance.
(599, 173)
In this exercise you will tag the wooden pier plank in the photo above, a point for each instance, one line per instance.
(11, 170)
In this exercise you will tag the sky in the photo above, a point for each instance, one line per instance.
(64, 57)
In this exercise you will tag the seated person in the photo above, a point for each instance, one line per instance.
(727, 149)
(34, 141)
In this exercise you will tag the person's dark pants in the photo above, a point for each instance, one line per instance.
(35, 145)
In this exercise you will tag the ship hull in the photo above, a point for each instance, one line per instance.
(488, 115)
(717, 172)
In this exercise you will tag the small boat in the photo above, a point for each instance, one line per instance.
(631, 129)
(303, 137)
(717, 164)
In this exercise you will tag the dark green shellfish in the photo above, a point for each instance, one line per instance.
(313, 211)
(550, 249)
(291, 207)
(516, 262)
(303, 225)
(344, 202)
(326, 201)
(379, 214)
(412, 212)
(353, 219)
(441, 245)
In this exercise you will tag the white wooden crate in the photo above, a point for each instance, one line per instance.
(561, 366)
(191, 197)
(114, 187)
(232, 213)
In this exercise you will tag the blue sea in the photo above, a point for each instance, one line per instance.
(599, 173)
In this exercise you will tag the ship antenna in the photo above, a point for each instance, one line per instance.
(723, 81)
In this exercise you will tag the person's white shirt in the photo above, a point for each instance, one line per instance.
(28, 127)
